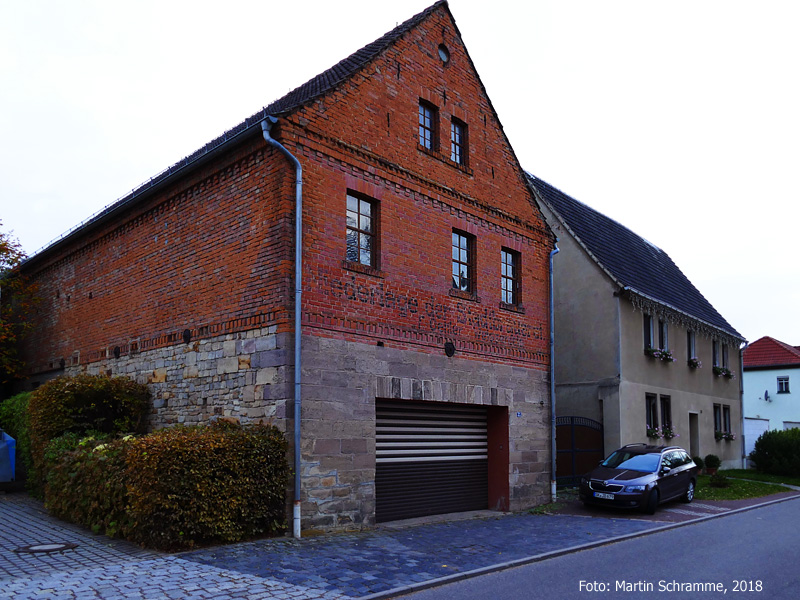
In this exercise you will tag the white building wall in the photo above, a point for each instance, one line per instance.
(781, 407)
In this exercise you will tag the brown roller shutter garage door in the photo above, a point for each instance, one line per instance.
(432, 458)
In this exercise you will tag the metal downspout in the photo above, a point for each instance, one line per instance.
(741, 402)
(266, 125)
(553, 495)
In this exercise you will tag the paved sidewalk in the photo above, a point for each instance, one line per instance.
(334, 567)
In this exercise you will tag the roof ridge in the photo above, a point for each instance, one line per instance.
(768, 352)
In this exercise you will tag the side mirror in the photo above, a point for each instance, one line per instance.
(665, 470)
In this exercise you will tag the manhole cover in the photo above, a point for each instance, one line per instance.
(36, 548)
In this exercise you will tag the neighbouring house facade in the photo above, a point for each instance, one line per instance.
(638, 349)
(424, 353)
(771, 394)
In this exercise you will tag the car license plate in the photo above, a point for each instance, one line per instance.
(603, 496)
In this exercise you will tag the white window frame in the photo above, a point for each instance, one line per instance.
(691, 345)
(663, 335)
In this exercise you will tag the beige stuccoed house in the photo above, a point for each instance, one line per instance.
(640, 354)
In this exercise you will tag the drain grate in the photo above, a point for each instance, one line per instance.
(44, 548)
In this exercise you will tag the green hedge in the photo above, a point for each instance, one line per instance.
(87, 482)
(81, 404)
(14, 421)
(778, 452)
(173, 489)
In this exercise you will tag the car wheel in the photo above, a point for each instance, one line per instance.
(688, 496)
(652, 502)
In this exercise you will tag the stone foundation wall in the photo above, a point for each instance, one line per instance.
(248, 376)
(243, 375)
(341, 381)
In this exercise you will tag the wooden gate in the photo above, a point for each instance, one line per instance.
(579, 447)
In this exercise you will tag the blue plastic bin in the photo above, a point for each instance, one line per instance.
(8, 451)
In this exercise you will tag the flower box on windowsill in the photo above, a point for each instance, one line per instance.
(723, 372)
(659, 354)
(694, 363)
(724, 435)
(667, 433)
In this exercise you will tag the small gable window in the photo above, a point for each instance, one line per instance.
(428, 118)
(458, 142)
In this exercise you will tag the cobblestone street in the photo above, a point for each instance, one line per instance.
(354, 565)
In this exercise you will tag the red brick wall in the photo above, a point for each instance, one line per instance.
(364, 138)
(213, 253)
(209, 254)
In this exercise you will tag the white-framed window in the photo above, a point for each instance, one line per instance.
(783, 385)
(722, 418)
(428, 125)
(361, 236)
(463, 249)
(509, 276)
(691, 345)
(458, 142)
(663, 335)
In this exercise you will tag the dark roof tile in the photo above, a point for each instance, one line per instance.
(629, 258)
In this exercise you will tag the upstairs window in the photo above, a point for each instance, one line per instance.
(691, 347)
(509, 277)
(783, 385)
(663, 335)
(715, 353)
(361, 214)
(648, 331)
(428, 118)
(725, 356)
(458, 142)
(463, 252)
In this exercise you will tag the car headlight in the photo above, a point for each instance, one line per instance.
(635, 488)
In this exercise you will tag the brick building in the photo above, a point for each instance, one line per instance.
(424, 307)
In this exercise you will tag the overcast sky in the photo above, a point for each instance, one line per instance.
(680, 120)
